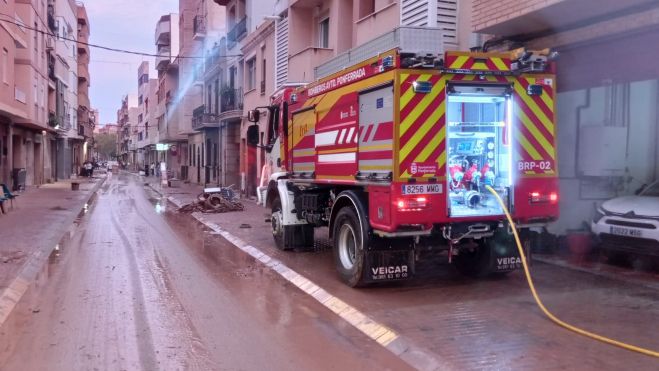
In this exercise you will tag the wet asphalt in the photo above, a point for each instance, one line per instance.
(128, 292)
(138, 286)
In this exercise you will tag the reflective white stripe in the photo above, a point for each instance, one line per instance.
(338, 157)
(326, 139)
(349, 136)
(342, 135)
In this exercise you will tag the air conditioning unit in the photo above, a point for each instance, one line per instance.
(50, 43)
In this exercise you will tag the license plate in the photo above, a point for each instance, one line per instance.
(422, 189)
(626, 232)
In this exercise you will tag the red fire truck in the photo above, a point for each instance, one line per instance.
(393, 155)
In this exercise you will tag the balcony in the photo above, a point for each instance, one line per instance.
(201, 119)
(301, 64)
(163, 58)
(198, 28)
(232, 100)
(237, 33)
(163, 29)
(83, 73)
(52, 23)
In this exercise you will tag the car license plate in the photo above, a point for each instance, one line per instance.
(626, 232)
(422, 189)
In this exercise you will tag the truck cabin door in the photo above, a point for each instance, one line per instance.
(479, 127)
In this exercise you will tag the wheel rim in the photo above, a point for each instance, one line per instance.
(347, 246)
(276, 221)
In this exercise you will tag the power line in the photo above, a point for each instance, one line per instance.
(102, 47)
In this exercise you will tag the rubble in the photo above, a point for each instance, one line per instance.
(213, 203)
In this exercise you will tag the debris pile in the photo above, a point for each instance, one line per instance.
(216, 202)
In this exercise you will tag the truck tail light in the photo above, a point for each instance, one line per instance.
(411, 203)
(540, 198)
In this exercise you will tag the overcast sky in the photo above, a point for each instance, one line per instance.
(125, 24)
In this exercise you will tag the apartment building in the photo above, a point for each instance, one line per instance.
(167, 110)
(39, 137)
(147, 116)
(63, 96)
(229, 79)
(86, 114)
(608, 89)
(209, 24)
(127, 131)
(258, 49)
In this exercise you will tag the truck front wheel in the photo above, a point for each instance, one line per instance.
(278, 229)
(349, 244)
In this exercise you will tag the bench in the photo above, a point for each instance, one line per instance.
(5, 195)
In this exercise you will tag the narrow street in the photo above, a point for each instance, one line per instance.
(129, 293)
(140, 287)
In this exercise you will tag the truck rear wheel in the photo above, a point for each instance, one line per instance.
(349, 244)
(473, 263)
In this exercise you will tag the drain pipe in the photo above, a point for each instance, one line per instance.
(580, 109)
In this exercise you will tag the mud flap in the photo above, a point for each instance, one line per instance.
(504, 256)
(388, 260)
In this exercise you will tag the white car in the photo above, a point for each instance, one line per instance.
(631, 223)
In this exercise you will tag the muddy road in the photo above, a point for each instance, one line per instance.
(135, 289)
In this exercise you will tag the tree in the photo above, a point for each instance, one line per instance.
(106, 146)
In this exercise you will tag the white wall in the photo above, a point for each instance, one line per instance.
(641, 161)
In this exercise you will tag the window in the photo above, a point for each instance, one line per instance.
(5, 63)
(263, 67)
(139, 118)
(251, 74)
(140, 100)
(323, 33)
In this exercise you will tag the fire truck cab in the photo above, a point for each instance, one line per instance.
(393, 154)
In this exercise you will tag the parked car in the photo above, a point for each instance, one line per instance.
(630, 224)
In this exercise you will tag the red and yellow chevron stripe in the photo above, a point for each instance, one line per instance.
(534, 128)
(477, 62)
(421, 131)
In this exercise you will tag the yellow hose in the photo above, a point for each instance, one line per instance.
(544, 309)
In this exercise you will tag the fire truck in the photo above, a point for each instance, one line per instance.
(393, 154)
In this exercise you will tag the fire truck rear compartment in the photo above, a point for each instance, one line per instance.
(478, 145)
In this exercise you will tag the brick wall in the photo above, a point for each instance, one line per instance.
(487, 13)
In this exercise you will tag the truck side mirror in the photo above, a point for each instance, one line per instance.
(253, 135)
(253, 115)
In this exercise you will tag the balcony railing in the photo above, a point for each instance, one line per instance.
(202, 119)
(52, 23)
(237, 32)
(232, 99)
(199, 27)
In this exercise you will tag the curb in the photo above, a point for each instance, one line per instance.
(609, 275)
(12, 295)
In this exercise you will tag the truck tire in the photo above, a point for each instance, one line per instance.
(290, 237)
(349, 243)
(478, 263)
(278, 228)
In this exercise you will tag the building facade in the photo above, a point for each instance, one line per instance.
(40, 139)
(607, 116)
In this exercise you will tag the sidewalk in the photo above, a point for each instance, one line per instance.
(28, 232)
